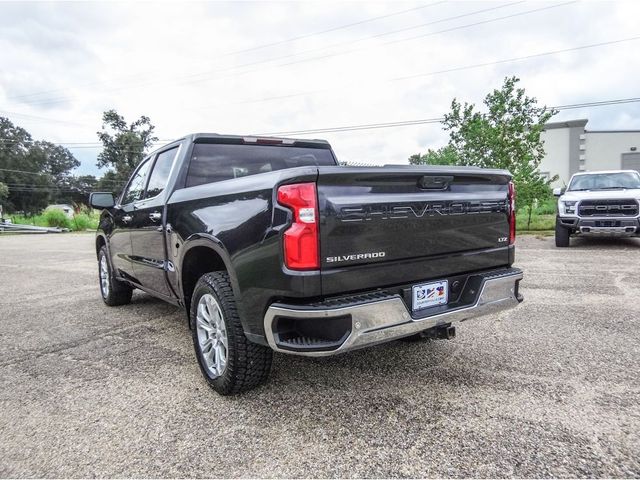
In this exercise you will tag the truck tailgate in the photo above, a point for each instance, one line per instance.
(381, 226)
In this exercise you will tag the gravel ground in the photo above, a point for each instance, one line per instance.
(551, 388)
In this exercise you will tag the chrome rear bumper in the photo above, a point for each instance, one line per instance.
(388, 319)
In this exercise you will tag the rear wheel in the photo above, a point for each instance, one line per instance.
(114, 292)
(228, 360)
(562, 236)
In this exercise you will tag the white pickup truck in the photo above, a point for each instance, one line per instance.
(598, 203)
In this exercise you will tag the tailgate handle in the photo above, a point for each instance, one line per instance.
(435, 182)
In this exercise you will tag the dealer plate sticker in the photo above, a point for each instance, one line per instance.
(430, 295)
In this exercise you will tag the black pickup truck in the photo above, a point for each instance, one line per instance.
(270, 245)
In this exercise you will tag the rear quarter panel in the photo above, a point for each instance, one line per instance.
(241, 218)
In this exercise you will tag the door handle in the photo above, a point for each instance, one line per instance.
(155, 216)
(127, 218)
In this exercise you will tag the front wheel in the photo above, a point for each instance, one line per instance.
(228, 360)
(562, 236)
(114, 292)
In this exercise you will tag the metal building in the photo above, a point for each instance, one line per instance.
(570, 148)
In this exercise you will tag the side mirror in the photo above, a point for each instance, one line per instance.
(558, 191)
(100, 200)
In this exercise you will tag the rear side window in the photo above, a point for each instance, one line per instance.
(160, 173)
(212, 162)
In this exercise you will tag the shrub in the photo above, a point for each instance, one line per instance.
(83, 221)
(547, 207)
(57, 218)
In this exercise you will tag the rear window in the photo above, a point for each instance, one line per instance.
(212, 162)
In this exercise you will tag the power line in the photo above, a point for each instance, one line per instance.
(405, 123)
(22, 171)
(440, 72)
(421, 36)
(115, 184)
(368, 126)
(34, 117)
(516, 59)
(598, 104)
(369, 37)
(185, 79)
(258, 47)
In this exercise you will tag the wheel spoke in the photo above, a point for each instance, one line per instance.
(203, 313)
(212, 335)
(104, 276)
(218, 350)
(202, 323)
(206, 346)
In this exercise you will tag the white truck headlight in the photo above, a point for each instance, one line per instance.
(569, 206)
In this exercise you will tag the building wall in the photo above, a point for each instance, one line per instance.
(556, 158)
(603, 150)
(569, 148)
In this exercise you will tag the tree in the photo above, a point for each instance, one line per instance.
(76, 189)
(442, 156)
(29, 187)
(506, 136)
(32, 170)
(4, 191)
(110, 182)
(54, 160)
(124, 144)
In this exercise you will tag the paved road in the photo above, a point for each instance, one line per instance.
(549, 389)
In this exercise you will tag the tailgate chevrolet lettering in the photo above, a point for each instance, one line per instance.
(419, 210)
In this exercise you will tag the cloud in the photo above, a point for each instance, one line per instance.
(194, 66)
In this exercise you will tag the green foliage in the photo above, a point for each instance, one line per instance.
(87, 220)
(443, 156)
(124, 144)
(535, 222)
(34, 171)
(84, 221)
(506, 136)
(547, 206)
(4, 191)
(53, 160)
(56, 218)
(76, 190)
(110, 182)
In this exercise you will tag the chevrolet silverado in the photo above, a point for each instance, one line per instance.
(270, 246)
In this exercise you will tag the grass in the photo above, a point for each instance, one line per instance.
(543, 217)
(538, 222)
(57, 218)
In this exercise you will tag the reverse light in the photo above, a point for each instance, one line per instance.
(301, 238)
(511, 196)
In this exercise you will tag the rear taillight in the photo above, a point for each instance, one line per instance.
(301, 238)
(512, 213)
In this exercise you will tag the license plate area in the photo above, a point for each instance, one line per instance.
(428, 295)
(608, 223)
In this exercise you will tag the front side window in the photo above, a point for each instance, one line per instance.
(136, 185)
(160, 173)
(213, 162)
(605, 181)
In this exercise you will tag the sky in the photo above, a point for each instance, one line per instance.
(269, 67)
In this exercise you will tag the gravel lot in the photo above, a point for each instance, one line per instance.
(549, 389)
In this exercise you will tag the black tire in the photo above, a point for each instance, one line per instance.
(247, 364)
(562, 236)
(117, 292)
